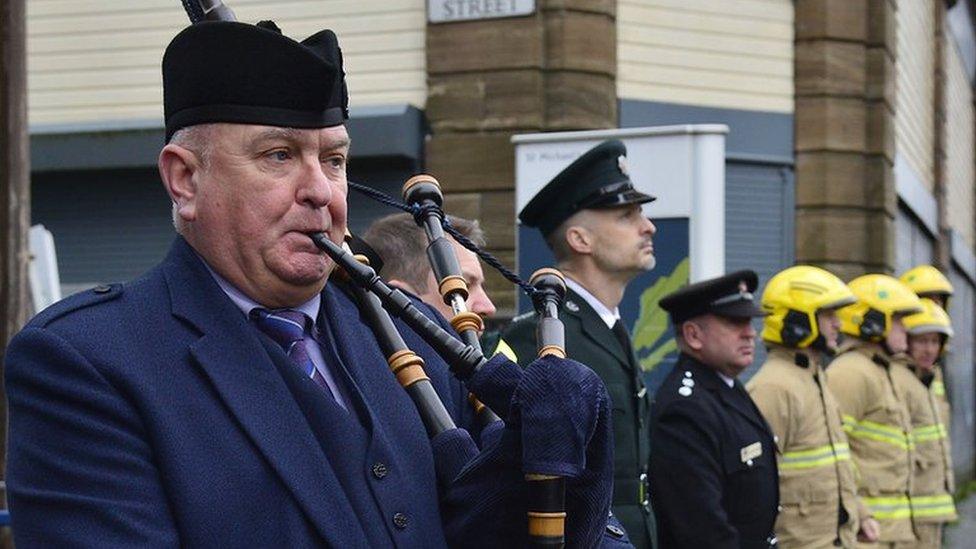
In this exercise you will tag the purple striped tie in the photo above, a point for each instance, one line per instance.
(288, 328)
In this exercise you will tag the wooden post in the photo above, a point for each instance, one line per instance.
(14, 194)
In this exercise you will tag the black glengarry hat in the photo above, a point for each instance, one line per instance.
(598, 179)
(730, 296)
(225, 71)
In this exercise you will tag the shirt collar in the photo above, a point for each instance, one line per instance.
(606, 315)
(246, 304)
(730, 381)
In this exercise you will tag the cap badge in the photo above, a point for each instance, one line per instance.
(572, 307)
(622, 164)
(743, 287)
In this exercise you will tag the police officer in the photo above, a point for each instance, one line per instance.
(875, 416)
(817, 484)
(932, 482)
(590, 215)
(713, 469)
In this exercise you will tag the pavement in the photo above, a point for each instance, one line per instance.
(962, 534)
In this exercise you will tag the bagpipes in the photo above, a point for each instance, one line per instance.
(546, 493)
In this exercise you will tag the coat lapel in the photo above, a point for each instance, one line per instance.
(734, 397)
(592, 326)
(241, 370)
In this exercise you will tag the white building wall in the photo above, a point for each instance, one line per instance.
(915, 88)
(95, 61)
(731, 54)
(960, 147)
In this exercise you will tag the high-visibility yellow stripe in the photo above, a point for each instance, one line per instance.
(937, 388)
(933, 506)
(889, 508)
(815, 457)
(878, 432)
(929, 433)
(506, 349)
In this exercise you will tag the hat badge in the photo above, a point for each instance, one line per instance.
(622, 164)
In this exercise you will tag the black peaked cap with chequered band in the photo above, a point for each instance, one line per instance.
(731, 295)
(598, 179)
(225, 71)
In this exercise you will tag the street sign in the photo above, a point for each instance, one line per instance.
(449, 11)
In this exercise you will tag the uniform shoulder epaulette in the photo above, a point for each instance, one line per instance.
(82, 300)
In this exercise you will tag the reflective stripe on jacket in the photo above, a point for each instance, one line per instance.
(931, 500)
(816, 472)
(879, 433)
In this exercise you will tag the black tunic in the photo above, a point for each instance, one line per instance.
(713, 468)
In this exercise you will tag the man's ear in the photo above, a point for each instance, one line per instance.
(579, 239)
(403, 285)
(178, 168)
(692, 334)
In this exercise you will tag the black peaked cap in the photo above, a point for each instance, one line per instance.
(597, 179)
(225, 71)
(730, 295)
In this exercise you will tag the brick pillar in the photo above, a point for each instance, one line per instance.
(845, 139)
(488, 80)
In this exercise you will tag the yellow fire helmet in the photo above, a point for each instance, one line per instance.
(926, 280)
(879, 298)
(793, 297)
(932, 319)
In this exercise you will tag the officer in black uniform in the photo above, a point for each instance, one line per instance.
(590, 215)
(713, 470)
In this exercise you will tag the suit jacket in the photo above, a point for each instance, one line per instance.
(153, 414)
(589, 341)
(713, 470)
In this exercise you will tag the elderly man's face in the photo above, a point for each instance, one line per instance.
(264, 190)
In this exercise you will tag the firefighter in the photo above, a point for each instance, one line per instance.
(927, 281)
(875, 419)
(932, 484)
(817, 486)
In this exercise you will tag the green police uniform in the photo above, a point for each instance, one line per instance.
(599, 180)
(588, 340)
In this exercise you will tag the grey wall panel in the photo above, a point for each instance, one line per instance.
(960, 383)
(750, 132)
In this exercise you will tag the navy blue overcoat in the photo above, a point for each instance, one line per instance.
(152, 414)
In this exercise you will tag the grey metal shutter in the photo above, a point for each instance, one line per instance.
(759, 206)
(108, 225)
